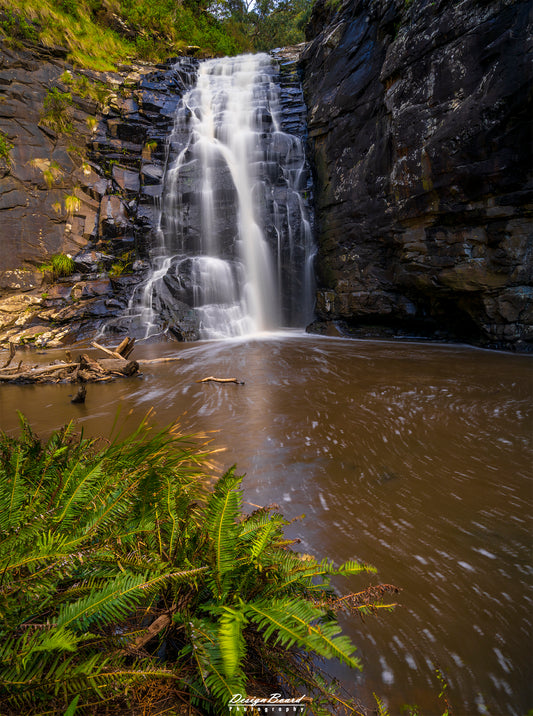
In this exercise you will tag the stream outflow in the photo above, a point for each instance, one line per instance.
(414, 458)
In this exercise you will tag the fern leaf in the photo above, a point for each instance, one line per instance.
(222, 513)
(291, 621)
(82, 477)
(263, 539)
(381, 708)
(231, 641)
(12, 490)
(116, 599)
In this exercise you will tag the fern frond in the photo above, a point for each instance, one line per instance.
(290, 621)
(205, 651)
(117, 598)
(382, 710)
(222, 527)
(82, 477)
(346, 569)
(231, 641)
(112, 603)
(263, 538)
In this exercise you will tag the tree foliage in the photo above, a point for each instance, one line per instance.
(265, 24)
(127, 585)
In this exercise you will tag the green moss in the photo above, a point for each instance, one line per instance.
(5, 148)
(124, 265)
(82, 86)
(72, 204)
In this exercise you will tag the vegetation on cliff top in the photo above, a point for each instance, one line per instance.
(130, 587)
(99, 34)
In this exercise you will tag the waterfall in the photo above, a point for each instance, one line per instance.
(235, 246)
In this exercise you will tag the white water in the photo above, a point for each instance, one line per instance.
(235, 236)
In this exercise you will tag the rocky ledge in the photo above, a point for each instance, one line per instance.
(419, 126)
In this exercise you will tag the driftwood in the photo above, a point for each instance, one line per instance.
(80, 395)
(112, 364)
(125, 348)
(154, 361)
(12, 351)
(153, 630)
(83, 370)
(113, 354)
(86, 370)
(220, 380)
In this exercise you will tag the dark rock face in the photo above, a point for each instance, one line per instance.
(419, 134)
(29, 225)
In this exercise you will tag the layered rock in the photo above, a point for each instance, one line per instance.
(419, 134)
(81, 180)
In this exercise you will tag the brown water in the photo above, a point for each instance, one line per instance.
(415, 458)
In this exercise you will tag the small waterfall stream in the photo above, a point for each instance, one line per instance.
(235, 242)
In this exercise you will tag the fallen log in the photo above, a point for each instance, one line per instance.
(34, 372)
(113, 354)
(87, 370)
(5, 370)
(154, 361)
(126, 347)
(220, 380)
(90, 364)
(84, 370)
(153, 630)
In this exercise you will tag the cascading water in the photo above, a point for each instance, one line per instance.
(235, 238)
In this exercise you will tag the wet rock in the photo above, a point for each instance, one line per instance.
(141, 265)
(90, 289)
(88, 261)
(417, 120)
(57, 292)
(127, 179)
(113, 217)
(79, 194)
(93, 182)
(152, 174)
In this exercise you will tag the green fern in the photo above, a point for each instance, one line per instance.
(231, 641)
(382, 710)
(222, 512)
(296, 621)
(123, 576)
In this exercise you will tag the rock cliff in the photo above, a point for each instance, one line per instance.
(85, 163)
(419, 134)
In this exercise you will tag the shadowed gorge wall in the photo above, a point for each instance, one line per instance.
(419, 133)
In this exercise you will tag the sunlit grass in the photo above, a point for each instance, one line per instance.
(162, 28)
(90, 45)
